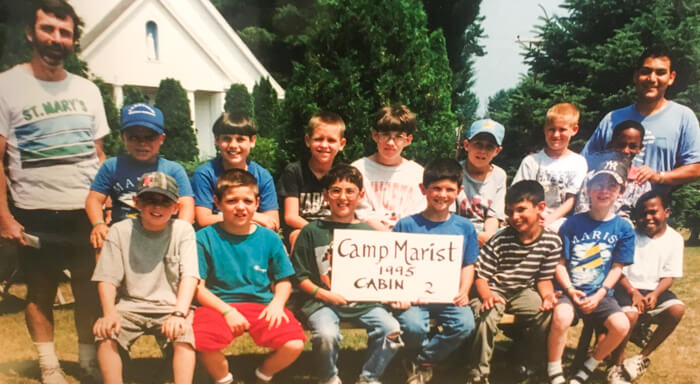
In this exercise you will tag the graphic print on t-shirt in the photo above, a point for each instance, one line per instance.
(590, 261)
(55, 141)
(313, 206)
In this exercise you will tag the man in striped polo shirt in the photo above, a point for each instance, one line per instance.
(514, 273)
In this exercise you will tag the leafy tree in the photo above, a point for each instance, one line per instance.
(362, 55)
(180, 143)
(112, 143)
(238, 102)
(134, 95)
(685, 210)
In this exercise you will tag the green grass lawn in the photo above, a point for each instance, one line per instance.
(674, 362)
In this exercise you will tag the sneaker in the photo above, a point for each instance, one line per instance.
(616, 375)
(53, 375)
(418, 374)
(332, 380)
(635, 366)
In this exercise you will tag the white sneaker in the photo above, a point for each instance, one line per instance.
(53, 375)
(617, 376)
(635, 366)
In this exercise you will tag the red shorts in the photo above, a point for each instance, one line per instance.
(211, 333)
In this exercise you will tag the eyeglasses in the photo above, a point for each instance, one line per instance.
(155, 199)
(350, 193)
(398, 139)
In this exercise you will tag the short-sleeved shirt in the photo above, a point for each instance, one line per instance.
(559, 177)
(671, 136)
(51, 128)
(298, 181)
(118, 178)
(204, 185)
(655, 259)
(311, 258)
(508, 264)
(454, 225)
(591, 247)
(240, 268)
(482, 199)
(391, 192)
(147, 266)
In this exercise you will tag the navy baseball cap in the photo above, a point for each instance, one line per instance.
(144, 115)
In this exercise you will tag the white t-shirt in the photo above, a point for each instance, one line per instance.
(655, 259)
(558, 177)
(51, 128)
(390, 192)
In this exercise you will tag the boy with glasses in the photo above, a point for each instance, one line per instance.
(142, 132)
(391, 181)
(322, 308)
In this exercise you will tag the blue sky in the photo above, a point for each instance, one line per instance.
(502, 66)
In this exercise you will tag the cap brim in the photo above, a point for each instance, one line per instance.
(146, 124)
(159, 191)
(615, 176)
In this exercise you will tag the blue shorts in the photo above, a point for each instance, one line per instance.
(666, 299)
(607, 307)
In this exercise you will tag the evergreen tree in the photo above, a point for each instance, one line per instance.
(266, 109)
(363, 55)
(180, 143)
(112, 143)
(134, 95)
(238, 102)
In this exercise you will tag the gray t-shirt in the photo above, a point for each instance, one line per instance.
(483, 199)
(145, 266)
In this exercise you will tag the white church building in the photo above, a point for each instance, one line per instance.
(140, 42)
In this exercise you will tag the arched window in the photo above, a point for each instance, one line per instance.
(152, 40)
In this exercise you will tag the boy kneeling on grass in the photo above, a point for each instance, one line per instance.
(597, 244)
(148, 265)
(342, 188)
(644, 289)
(239, 261)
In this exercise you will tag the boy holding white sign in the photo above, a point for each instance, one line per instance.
(342, 189)
(514, 273)
(442, 181)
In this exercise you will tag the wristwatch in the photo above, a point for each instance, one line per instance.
(178, 314)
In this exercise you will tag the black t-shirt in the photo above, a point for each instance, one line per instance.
(297, 180)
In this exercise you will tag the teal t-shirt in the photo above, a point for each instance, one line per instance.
(240, 268)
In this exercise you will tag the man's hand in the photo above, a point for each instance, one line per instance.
(490, 302)
(461, 299)
(638, 301)
(549, 301)
(236, 322)
(107, 326)
(274, 315)
(644, 174)
(331, 297)
(98, 235)
(174, 327)
(265, 220)
(10, 229)
(650, 301)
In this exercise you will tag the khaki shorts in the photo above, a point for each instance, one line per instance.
(134, 325)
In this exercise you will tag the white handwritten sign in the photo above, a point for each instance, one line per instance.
(391, 266)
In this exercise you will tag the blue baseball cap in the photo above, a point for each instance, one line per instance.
(144, 115)
(489, 126)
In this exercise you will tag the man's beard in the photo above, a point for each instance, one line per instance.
(52, 53)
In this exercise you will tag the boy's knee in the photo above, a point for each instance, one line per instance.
(632, 317)
(327, 335)
(294, 345)
(562, 317)
(676, 312)
(618, 324)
